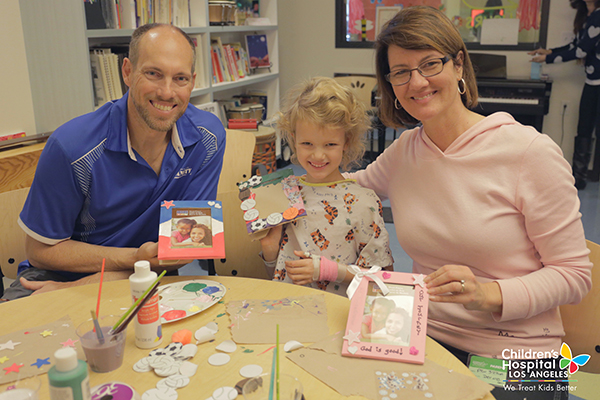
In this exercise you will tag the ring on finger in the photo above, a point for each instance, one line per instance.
(462, 283)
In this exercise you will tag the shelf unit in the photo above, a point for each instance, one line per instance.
(58, 43)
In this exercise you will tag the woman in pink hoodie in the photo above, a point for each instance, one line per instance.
(485, 207)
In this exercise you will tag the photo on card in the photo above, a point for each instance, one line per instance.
(388, 326)
(190, 230)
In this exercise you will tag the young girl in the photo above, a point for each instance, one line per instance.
(396, 330)
(380, 309)
(324, 124)
(184, 226)
(200, 236)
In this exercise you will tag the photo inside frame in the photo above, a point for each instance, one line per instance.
(197, 222)
(388, 318)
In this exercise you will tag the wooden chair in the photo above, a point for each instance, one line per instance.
(241, 253)
(12, 237)
(582, 321)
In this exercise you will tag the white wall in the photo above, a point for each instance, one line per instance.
(307, 48)
(16, 111)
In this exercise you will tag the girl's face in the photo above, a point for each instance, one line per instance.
(319, 151)
(394, 324)
(424, 98)
(380, 312)
(183, 228)
(197, 235)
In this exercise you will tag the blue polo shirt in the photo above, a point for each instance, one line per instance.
(91, 186)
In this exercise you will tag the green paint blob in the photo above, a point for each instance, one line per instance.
(194, 287)
(248, 351)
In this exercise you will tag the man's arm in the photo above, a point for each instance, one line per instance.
(74, 256)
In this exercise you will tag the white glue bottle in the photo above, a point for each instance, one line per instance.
(148, 329)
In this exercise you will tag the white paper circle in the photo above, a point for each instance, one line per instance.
(188, 368)
(248, 204)
(204, 334)
(225, 393)
(174, 381)
(251, 370)
(251, 214)
(274, 218)
(142, 365)
(212, 326)
(292, 345)
(188, 351)
(228, 346)
(160, 394)
(219, 359)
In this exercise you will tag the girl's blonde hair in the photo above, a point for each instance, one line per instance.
(325, 103)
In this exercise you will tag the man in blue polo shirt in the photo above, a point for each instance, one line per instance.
(102, 176)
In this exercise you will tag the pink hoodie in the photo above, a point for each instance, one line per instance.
(501, 200)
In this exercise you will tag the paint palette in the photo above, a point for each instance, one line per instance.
(183, 299)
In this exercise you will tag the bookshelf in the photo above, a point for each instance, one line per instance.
(58, 44)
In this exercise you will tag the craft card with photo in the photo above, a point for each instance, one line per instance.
(191, 230)
(391, 326)
(271, 200)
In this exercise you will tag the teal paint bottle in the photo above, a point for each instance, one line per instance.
(68, 377)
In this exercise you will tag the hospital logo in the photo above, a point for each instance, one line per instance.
(183, 172)
(572, 362)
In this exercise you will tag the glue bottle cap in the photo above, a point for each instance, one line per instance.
(142, 267)
(66, 359)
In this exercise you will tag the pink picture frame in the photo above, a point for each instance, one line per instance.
(388, 327)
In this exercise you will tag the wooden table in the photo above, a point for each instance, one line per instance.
(78, 301)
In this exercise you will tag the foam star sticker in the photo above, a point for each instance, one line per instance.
(4, 359)
(13, 368)
(46, 333)
(419, 280)
(573, 362)
(352, 337)
(41, 362)
(168, 204)
(69, 343)
(9, 345)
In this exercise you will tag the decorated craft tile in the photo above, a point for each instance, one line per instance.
(271, 200)
(302, 318)
(29, 352)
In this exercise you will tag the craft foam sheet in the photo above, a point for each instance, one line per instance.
(302, 318)
(354, 376)
(30, 351)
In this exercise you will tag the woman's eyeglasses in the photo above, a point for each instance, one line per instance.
(427, 69)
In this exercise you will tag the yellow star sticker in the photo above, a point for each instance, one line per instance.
(46, 333)
(4, 359)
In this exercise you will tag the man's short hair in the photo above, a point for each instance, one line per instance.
(138, 34)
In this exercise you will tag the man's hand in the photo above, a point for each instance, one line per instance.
(45, 286)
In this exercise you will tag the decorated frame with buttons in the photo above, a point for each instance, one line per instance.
(388, 317)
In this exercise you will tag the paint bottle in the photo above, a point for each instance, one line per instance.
(148, 329)
(69, 378)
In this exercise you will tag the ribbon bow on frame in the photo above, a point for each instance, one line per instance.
(359, 274)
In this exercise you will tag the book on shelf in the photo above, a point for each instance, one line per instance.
(191, 230)
(219, 51)
(238, 54)
(98, 79)
(181, 13)
(130, 14)
(102, 14)
(258, 51)
(231, 63)
(216, 68)
(199, 66)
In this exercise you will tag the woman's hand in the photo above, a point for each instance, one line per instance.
(457, 284)
(300, 271)
(539, 55)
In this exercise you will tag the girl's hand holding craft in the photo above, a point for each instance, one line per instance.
(457, 284)
(270, 243)
(300, 271)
